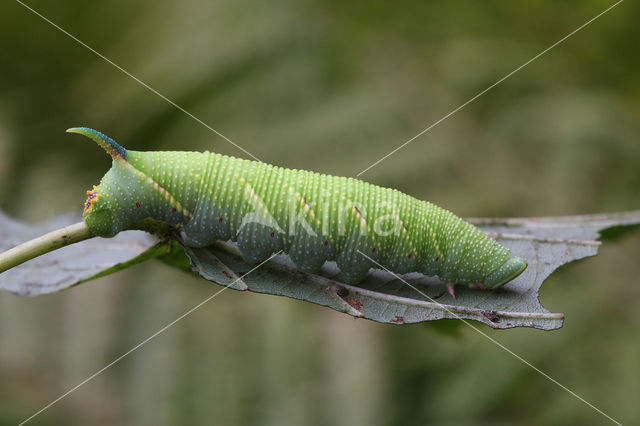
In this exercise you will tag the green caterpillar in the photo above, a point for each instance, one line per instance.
(312, 217)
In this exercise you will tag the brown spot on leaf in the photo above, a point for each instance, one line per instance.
(137, 204)
(355, 303)
(272, 234)
(228, 275)
(491, 316)
(173, 210)
(220, 220)
(340, 290)
(398, 320)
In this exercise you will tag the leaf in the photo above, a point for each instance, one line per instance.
(72, 264)
(546, 243)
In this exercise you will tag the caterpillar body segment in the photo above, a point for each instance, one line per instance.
(310, 216)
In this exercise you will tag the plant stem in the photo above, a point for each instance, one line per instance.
(43, 244)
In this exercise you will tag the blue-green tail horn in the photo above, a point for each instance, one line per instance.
(112, 147)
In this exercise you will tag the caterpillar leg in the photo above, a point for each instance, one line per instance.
(257, 242)
(351, 276)
(310, 252)
(353, 266)
(308, 268)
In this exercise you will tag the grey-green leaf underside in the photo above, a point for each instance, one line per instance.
(72, 264)
(547, 243)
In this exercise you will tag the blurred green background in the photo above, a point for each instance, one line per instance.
(328, 86)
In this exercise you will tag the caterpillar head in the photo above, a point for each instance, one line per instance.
(98, 211)
(98, 215)
(510, 269)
